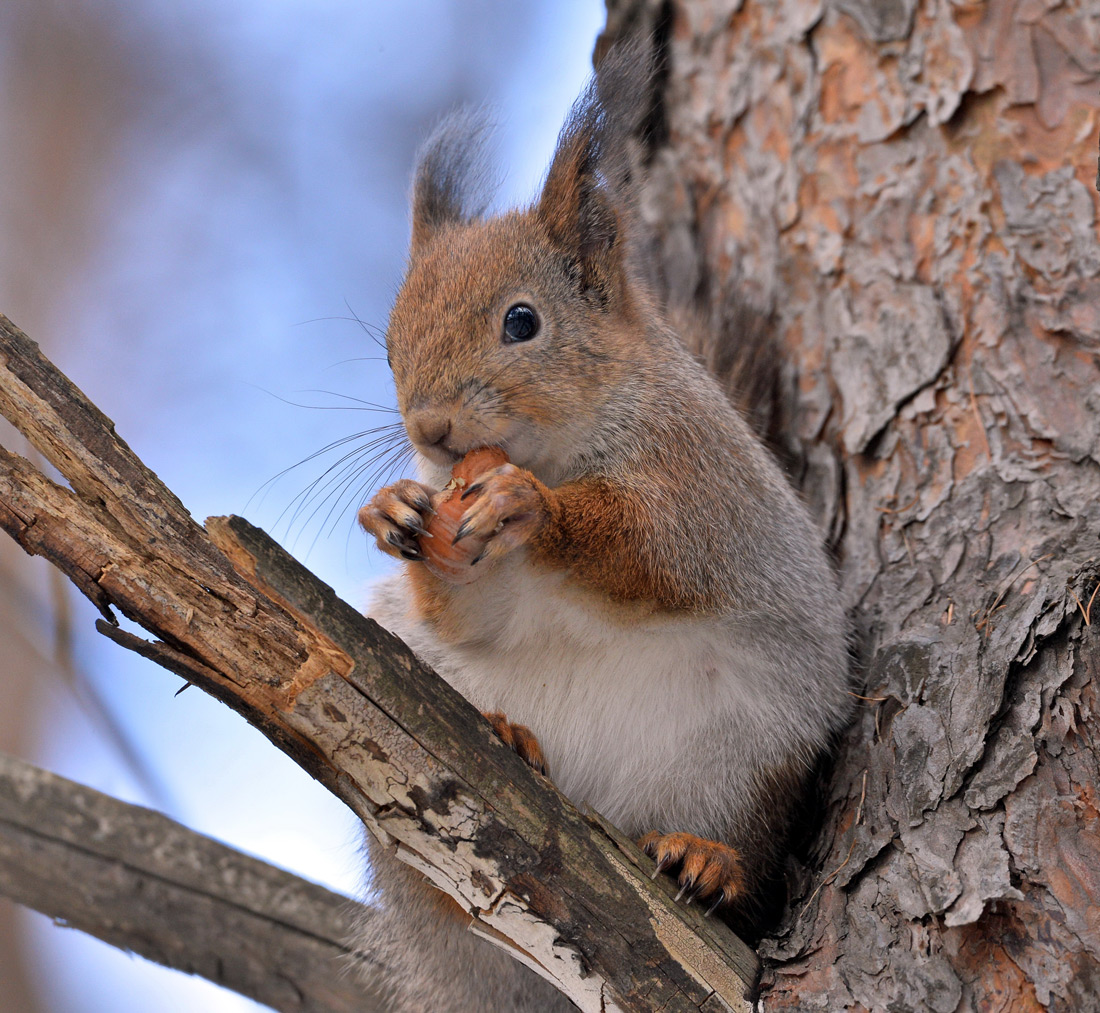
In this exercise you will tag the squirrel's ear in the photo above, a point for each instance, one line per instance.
(453, 182)
(586, 198)
(576, 206)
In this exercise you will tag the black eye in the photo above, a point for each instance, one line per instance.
(521, 323)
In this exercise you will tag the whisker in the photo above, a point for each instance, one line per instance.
(390, 459)
(358, 358)
(366, 405)
(381, 477)
(336, 478)
(390, 462)
(518, 385)
(362, 406)
(333, 484)
(348, 461)
(393, 427)
(385, 440)
(499, 393)
(370, 329)
(367, 328)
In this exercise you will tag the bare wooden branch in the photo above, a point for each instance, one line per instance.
(358, 711)
(144, 883)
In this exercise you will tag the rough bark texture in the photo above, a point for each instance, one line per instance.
(239, 617)
(909, 188)
(146, 884)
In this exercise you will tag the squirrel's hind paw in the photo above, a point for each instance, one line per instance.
(709, 871)
(520, 738)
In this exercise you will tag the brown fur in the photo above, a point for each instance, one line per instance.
(778, 796)
(599, 535)
(432, 599)
(520, 738)
(708, 871)
(514, 260)
(736, 343)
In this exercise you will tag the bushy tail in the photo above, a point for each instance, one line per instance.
(736, 343)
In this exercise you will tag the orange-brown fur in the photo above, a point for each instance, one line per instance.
(708, 868)
(598, 534)
(518, 737)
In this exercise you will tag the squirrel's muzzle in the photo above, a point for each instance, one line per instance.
(428, 427)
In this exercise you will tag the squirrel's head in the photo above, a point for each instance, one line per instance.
(517, 330)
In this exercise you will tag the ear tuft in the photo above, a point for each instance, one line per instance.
(454, 179)
(587, 197)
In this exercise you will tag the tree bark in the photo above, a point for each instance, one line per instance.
(239, 617)
(908, 189)
(146, 884)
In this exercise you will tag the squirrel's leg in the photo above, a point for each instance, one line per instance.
(710, 872)
(520, 738)
(601, 532)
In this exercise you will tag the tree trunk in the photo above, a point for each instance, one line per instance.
(908, 189)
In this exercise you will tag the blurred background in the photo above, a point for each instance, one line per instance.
(203, 221)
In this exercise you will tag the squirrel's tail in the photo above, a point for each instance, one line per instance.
(736, 343)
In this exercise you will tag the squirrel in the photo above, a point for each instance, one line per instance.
(658, 624)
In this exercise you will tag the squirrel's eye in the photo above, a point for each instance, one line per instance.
(521, 323)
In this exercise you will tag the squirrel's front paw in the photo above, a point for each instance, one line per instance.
(509, 507)
(708, 870)
(520, 738)
(396, 516)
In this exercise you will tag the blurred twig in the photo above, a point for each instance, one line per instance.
(180, 899)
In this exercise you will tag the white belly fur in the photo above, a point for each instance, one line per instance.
(630, 713)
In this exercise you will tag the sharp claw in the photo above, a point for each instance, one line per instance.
(476, 487)
(403, 545)
(479, 557)
(682, 889)
(713, 907)
(462, 532)
(415, 557)
(418, 529)
(663, 864)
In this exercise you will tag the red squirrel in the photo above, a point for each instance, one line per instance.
(654, 611)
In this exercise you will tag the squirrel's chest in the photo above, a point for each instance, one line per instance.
(611, 694)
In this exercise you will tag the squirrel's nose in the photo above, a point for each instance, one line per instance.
(428, 427)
